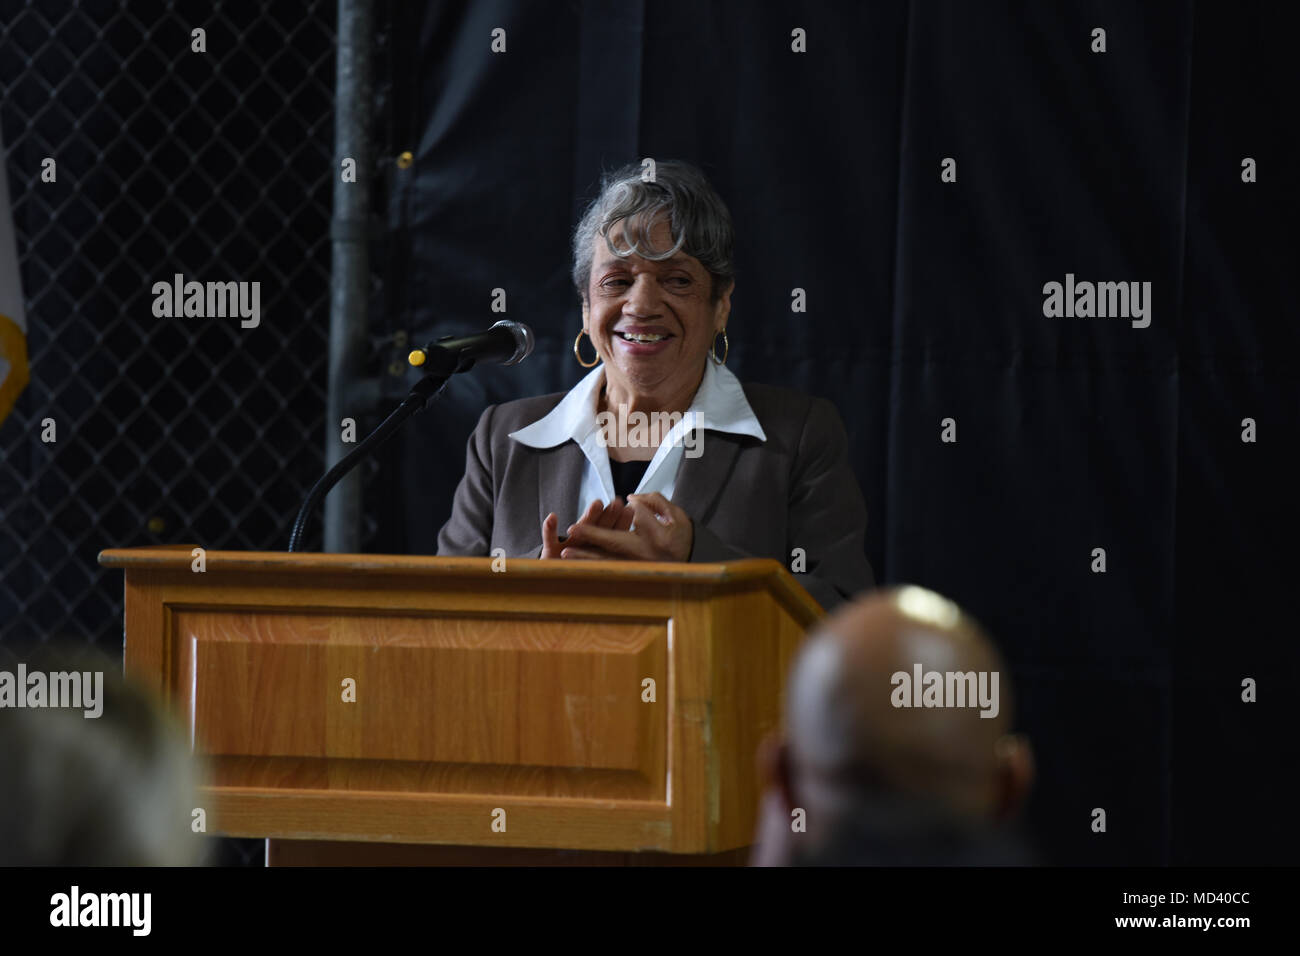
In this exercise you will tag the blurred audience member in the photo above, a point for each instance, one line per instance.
(896, 747)
(116, 789)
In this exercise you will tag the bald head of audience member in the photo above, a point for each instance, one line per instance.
(897, 699)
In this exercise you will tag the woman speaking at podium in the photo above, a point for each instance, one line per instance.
(660, 453)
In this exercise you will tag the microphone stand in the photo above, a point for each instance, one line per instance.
(424, 390)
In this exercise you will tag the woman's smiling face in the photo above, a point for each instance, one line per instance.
(652, 322)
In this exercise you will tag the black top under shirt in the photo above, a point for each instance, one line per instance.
(627, 475)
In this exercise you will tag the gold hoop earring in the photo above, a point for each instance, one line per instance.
(578, 355)
(713, 348)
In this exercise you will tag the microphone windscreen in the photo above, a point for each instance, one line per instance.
(523, 337)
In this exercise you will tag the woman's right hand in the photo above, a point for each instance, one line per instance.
(616, 516)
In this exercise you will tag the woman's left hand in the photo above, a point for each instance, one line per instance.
(661, 531)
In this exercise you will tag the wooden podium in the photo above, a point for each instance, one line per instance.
(373, 709)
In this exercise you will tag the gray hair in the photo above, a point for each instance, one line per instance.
(698, 221)
(114, 791)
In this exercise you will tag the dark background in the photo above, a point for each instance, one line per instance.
(924, 302)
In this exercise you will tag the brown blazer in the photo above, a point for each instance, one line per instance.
(747, 498)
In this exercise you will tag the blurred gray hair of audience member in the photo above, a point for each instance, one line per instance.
(114, 790)
(866, 766)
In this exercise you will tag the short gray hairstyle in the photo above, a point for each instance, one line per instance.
(697, 217)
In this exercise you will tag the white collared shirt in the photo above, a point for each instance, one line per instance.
(719, 405)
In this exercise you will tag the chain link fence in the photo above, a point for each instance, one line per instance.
(205, 155)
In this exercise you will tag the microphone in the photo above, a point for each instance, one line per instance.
(506, 343)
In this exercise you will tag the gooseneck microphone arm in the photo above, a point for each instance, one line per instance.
(421, 393)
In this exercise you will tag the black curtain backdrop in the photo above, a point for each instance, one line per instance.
(925, 302)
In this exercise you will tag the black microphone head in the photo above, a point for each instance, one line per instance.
(523, 337)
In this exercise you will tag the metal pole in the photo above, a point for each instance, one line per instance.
(350, 272)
